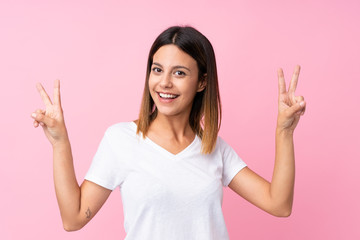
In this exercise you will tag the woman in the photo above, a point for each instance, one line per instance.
(170, 164)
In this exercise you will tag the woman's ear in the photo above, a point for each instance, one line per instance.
(202, 83)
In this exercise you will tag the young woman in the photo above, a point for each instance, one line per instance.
(170, 164)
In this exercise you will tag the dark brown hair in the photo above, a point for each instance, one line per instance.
(205, 115)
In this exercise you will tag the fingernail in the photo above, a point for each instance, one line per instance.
(41, 123)
(33, 115)
(302, 103)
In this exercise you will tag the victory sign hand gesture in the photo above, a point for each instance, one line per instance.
(51, 119)
(291, 107)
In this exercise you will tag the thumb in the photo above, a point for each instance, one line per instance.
(42, 118)
(296, 108)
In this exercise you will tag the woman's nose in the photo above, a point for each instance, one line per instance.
(166, 81)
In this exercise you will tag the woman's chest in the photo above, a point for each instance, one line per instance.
(168, 183)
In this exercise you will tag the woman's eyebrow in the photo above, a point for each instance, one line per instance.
(174, 67)
(179, 66)
(157, 64)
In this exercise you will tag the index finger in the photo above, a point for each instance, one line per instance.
(43, 94)
(294, 79)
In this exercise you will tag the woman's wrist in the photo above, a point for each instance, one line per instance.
(284, 132)
(61, 143)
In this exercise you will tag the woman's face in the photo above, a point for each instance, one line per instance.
(173, 81)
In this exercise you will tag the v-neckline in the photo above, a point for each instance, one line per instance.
(162, 149)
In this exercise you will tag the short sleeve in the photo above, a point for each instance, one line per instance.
(232, 163)
(106, 169)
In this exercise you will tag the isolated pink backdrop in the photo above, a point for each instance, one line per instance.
(98, 50)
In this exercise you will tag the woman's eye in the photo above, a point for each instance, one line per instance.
(156, 69)
(180, 73)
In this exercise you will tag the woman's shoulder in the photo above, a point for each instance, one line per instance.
(222, 144)
(220, 141)
(120, 128)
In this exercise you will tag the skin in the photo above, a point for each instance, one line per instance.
(171, 130)
(77, 204)
(276, 197)
(173, 71)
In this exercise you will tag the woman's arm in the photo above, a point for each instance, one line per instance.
(276, 197)
(77, 204)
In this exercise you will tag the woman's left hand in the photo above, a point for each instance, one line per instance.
(291, 107)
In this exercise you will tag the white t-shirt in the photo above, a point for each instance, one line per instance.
(165, 196)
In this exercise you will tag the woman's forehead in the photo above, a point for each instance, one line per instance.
(171, 55)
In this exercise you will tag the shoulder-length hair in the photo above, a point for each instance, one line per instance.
(205, 115)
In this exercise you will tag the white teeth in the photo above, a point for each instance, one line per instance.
(163, 95)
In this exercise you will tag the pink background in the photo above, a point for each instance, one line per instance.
(98, 50)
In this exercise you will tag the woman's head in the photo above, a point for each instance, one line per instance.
(205, 114)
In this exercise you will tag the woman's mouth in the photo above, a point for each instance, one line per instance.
(167, 95)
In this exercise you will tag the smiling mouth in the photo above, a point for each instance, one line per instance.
(167, 95)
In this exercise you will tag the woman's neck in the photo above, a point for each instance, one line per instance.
(174, 127)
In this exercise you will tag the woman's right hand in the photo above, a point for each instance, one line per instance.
(51, 119)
